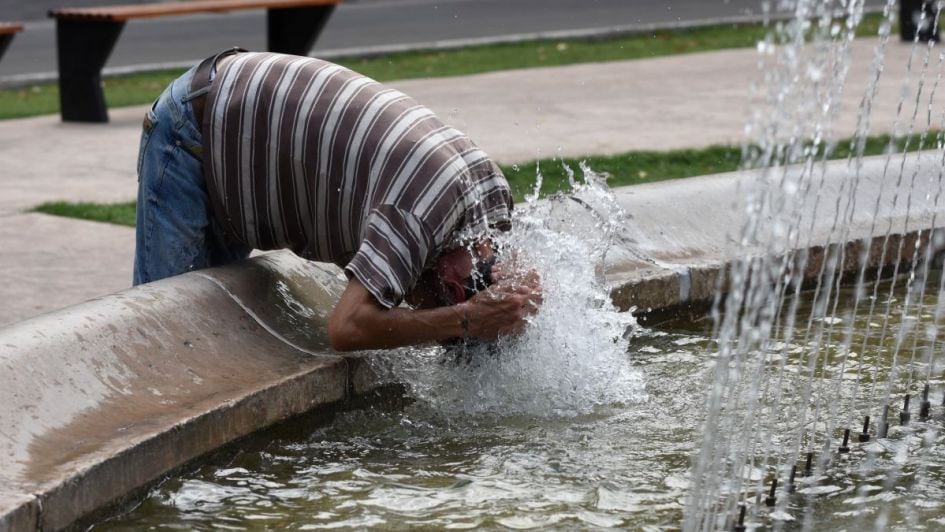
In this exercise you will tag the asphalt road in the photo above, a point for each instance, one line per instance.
(356, 24)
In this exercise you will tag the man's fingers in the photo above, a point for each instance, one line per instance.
(506, 305)
(500, 274)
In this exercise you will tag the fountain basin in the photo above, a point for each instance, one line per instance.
(100, 400)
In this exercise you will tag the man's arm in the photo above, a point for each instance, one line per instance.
(360, 322)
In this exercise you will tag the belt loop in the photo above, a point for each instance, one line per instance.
(200, 84)
(221, 55)
(195, 94)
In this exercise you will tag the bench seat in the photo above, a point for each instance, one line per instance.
(9, 28)
(7, 31)
(86, 36)
(123, 13)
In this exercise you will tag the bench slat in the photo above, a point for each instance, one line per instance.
(123, 13)
(7, 28)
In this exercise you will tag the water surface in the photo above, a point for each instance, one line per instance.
(619, 465)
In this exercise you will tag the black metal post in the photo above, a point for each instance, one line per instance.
(295, 30)
(865, 435)
(925, 408)
(912, 21)
(771, 500)
(83, 48)
(5, 41)
(905, 415)
(844, 447)
(740, 523)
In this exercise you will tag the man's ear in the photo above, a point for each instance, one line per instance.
(456, 290)
(424, 293)
(455, 265)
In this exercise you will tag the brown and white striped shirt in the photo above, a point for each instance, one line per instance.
(307, 155)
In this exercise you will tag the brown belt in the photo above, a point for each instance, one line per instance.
(199, 87)
(200, 84)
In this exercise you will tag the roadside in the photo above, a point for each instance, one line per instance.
(362, 26)
(676, 102)
(139, 88)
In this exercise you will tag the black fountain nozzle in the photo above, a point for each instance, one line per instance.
(771, 500)
(905, 415)
(917, 21)
(809, 466)
(865, 435)
(925, 408)
(791, 485)
(740, 525)
(882, 430)
(844, 448)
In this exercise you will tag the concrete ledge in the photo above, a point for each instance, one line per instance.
(103, 398)
(18, 512)
(679, 244)
(690, 292)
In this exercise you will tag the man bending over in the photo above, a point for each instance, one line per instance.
(269, 151)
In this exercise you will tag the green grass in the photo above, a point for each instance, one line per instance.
(630, 168)
(115, 213)
(638, 167)
(143, 88)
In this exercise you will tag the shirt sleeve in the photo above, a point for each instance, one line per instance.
(395, 248)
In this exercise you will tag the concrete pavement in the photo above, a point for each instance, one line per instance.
(666, 103)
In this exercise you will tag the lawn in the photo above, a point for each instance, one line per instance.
(629, 168)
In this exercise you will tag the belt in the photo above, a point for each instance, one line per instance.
(200, 84)
(199, 87)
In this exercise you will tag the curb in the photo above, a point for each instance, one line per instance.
(690, 292)
(118, 391)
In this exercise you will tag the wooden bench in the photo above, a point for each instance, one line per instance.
(86, 35)
(7, 31)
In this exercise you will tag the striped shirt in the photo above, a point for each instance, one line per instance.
(306, 155)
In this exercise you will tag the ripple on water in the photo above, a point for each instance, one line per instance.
(618, 465)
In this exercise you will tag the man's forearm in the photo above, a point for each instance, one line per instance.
(359, 322)
(399, 327)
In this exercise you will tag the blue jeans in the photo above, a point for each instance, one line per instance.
(176, 231)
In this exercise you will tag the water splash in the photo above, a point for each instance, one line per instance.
(572, 356)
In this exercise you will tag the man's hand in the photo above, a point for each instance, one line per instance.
(360, 322)
(502, 309)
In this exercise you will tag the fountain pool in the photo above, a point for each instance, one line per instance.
(621, 465)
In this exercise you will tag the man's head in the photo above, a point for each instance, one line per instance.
(456, 276)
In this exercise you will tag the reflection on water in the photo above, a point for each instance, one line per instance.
(621, 465)
(618, 466)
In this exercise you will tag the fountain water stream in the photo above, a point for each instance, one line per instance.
(769, 418)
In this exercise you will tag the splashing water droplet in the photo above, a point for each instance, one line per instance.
(572, 356)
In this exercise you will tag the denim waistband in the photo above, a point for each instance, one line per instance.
(179, 103)
(201, 78)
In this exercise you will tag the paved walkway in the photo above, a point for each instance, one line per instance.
(599, 108)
